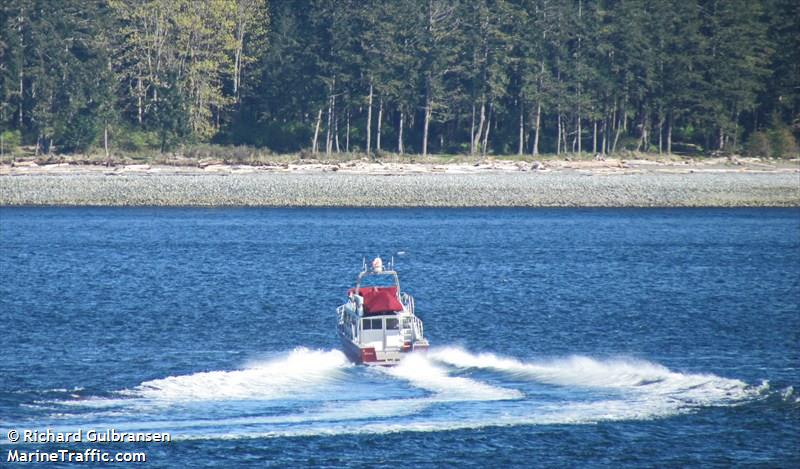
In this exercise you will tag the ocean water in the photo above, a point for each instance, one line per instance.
(559, 337)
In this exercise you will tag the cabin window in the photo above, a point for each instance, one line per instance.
(391, 323)
(372, 324)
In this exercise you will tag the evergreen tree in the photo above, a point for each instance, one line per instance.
(488, 44)
(473, 76)
(780, 97)
(737, 55)
(678, 75)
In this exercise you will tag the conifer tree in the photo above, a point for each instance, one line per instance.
(471, 76)
(737, 55)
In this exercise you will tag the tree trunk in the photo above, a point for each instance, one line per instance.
(426, 126)
(538, 126)
(347, 134)
(558, 137)
(380, 122)
(619, 130)
(521, 131)
(237, 63)
(614, 121)
(604, 136)
(369, 120)
(616, 140)
(479, 133)
(336, 128)
(574, 139)
(472, 132)
(139, 99)
(539, 87)
(624, 121)
(21, 65)
(669, 136)
(594, 138)
(329, 130)
(660, 134)
(105, 142)
(486, 134)
(315, 146)
(21, 100)
(577, 73)
(400, 134)
(643, 137)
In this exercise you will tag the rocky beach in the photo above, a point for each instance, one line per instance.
(713, 182)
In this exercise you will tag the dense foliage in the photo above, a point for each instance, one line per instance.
(408, 76)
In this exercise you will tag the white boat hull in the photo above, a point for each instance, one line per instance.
(364, 355)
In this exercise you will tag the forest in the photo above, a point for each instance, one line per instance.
(413, 77)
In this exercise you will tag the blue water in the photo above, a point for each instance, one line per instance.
(559, 337)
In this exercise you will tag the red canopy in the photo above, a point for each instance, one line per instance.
(379, 300)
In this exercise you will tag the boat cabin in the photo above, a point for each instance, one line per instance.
(379, 320)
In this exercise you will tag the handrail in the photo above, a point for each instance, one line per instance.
(362, 275)
(417, 328)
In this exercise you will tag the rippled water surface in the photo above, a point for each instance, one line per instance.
(559, 337)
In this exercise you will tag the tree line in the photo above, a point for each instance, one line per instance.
(404, 76)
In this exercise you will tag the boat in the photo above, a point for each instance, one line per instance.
(377, 325)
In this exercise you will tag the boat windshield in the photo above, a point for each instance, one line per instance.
(385, 279)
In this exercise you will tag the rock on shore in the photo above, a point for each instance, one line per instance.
(432, 189)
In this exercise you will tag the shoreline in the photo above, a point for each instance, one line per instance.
(358, 183)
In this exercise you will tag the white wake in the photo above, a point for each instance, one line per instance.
(637, 376)
(318, 392)
(297, 374)
(420, 372)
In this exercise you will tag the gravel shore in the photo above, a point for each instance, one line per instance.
(431, 189)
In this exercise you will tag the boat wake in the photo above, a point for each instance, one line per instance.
(641, 377)
(421, 372)
(318, 392)
(295, 375)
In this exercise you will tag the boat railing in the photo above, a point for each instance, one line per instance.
(416, 328)
(378, 270)
(408, 301)
(386, 273)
